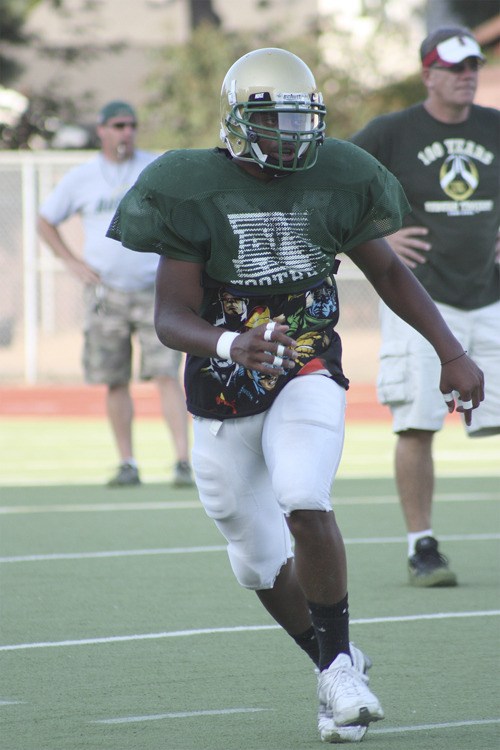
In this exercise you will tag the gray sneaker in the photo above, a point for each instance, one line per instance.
(183, 476)
(126, 476)
(328, 730)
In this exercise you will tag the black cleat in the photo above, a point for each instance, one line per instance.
(126, 476)
(428, 567)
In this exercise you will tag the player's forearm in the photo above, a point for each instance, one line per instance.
(400, 290)
(182, 329)
(178, 300)
(404, 294)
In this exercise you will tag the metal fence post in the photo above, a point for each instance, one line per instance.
(30, 271)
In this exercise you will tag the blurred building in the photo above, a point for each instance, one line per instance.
(87, 50)
(116, 40)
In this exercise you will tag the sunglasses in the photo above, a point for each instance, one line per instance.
(123, 125)
(474, 64)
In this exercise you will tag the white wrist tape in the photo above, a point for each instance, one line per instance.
(223, 347)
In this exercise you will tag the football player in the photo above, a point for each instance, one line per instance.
(264, 217)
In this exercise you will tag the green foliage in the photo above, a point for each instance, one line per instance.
(183, 110)
(390, 98)
(13, 15)
(184, 107)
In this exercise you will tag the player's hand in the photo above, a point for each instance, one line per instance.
(461, 379)
(266, 348)
(408, 246)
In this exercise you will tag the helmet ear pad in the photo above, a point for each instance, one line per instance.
(274, 80)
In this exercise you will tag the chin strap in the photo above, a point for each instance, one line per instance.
(261, 157)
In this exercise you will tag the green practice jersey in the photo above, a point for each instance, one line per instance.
(269, 253)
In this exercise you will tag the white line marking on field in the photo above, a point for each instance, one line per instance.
(221, 548)
(99, 507)
(228, 711)
(183, 504)
(180, 715)
(237, 629)
(444, 725)
(112, 553)
(10, 703)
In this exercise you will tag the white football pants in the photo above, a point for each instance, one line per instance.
(253, 471)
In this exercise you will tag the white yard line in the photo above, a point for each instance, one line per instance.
(229, 711)
(221, 548)
(443, 725)
(237, 629)
(452, 497)
(180, 715)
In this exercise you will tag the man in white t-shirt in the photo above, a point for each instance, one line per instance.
(119, 289)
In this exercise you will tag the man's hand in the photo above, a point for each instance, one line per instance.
(407, 245)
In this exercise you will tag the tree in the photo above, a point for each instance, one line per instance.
(202, 12)
(184, 108)
(45, 109)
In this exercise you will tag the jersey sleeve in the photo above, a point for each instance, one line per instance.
(387, 205)
(143, 222)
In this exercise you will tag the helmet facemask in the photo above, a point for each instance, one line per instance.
(295, 122)
(272, 113)
(292, 121)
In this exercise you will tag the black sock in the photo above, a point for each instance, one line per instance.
(331, 623)
(308, 643)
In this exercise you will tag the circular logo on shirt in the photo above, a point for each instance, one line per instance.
(458, 177)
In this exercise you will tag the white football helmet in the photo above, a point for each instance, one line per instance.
(271, 94)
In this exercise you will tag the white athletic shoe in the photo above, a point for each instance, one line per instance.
(344, 690)
(329, 731)
(327, 728)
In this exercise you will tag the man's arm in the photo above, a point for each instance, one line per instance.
(179, 295)
(52, 237)
(401, 291)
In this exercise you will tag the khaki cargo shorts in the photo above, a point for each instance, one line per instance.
(410, 371)
(114, 321)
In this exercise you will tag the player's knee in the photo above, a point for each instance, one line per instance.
(298, 498)
(254, 574)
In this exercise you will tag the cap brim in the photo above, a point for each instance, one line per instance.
(458, 48)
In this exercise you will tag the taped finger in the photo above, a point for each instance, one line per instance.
(280, 350)
(448, 397)
(267, 334)
(277, 362)
(465, 404)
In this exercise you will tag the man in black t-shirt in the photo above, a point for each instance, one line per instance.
(445, 152)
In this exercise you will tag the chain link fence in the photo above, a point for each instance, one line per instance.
(41, 310)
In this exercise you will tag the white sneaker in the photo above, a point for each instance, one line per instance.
(327, 728)
(330, 732)
(344, 690)
(360, 660)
